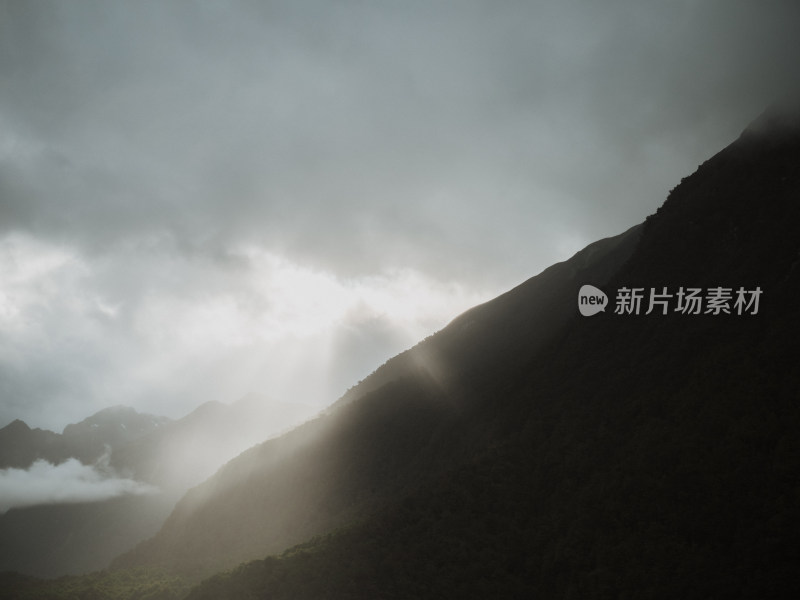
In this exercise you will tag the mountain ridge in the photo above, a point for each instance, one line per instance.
(429, 369)
(637, 455)
(585, 439)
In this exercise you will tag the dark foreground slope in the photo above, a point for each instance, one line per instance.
(635, 456)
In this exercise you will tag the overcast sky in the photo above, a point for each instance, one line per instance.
(203, 199)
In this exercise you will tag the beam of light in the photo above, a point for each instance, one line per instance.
(164, 332)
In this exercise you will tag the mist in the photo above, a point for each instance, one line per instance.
(68, 482)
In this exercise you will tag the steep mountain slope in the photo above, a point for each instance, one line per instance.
(638, 455)
(390, 434)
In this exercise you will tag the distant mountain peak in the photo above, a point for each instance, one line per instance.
(20, 445)
(16, 426)
(119, 412)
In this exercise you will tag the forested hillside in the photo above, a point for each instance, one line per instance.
(637, 455)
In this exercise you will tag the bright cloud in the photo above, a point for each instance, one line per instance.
(67, 482)
(143, 324)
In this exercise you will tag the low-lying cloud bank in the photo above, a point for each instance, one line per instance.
(67, 482)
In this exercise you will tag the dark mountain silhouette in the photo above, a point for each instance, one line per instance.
(21, 446)
(528, 450)
(384, 438)
(173, 455)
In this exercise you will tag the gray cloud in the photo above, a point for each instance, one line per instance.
(474, 143)
(312, 127)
